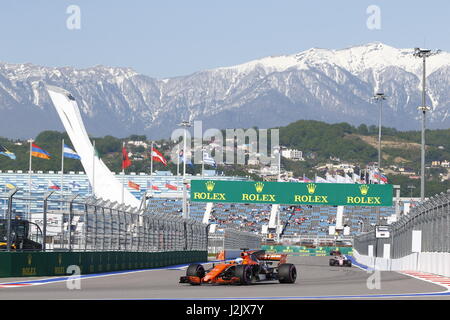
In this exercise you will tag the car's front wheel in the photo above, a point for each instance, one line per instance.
(195, 270)
(244, 273)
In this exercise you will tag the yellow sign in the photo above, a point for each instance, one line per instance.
(210, 186)
(311, 188)
(364, 189)
(259, 186)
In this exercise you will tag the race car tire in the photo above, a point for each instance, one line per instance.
(332, 262)
(244, 273)
(349, 263)
(287, 273)
(195, 270)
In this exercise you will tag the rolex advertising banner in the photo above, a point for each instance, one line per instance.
(332, 194)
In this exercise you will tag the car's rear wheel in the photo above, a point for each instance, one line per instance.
(287, 273)
(195, 270)
(331, 262)
(244, 273)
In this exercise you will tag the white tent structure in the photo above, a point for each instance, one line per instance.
(105, 185)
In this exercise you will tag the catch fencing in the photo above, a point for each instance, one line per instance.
(432, 217)
(417, 237)
(74, 224)
(232, 240)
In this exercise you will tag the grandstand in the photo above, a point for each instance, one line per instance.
(307, 220)
(166, 184)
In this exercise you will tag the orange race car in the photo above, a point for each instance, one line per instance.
(253, 266)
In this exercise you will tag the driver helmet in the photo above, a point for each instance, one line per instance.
(239, 260)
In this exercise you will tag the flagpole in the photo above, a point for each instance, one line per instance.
(29, 180)
(62, 173)
(178, 159)
(93, 169)
(151, 166)
(123, 173)
(151, 159)
(203, 162)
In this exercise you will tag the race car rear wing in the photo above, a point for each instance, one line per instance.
(273, 257)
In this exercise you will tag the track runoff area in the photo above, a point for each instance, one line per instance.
(316, 279)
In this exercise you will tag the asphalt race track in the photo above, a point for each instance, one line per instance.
(316, 280)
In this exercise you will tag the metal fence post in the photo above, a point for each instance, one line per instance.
(9, 217)
(70, 219)
(44, 221)
(86, 224)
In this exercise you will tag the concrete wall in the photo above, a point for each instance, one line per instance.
(23, 264)
(431, 262)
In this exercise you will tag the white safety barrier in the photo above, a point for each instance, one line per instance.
(431, 262)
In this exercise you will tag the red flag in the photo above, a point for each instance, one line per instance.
(171, 187)
(52, 185)
(126, 162)
(133, 185)
(157, 156)
(155, 188)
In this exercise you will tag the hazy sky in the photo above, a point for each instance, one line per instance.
(171, 38)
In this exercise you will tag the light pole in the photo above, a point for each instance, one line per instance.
(424, 54)
(379, 97)
(185, 125)
(203, 160)
(29, 179)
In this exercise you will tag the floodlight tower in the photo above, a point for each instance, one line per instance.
(424, 54)
(185, 125)
(379, 97)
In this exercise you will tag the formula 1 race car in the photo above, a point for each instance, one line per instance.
(253, 266)
(340, 260)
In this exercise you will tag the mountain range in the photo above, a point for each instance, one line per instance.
(316, 84)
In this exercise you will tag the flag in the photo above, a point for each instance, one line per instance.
(188, 160)
(207, 159)
(157, 156)
(170, 186)
(306, 179)
(53, 186)
(152, 187)
(126, 162)
(74, 184)
(133, 185)
(383, 179)
(39, 152)
(7, 153)
(69, 153)
(10, 186)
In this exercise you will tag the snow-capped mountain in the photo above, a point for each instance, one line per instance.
(319, 84)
